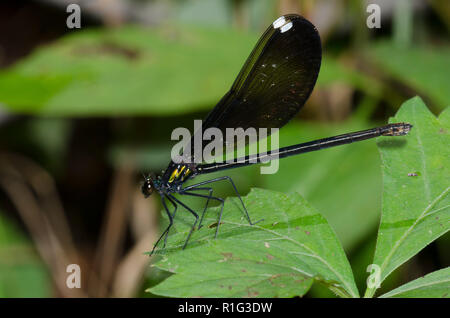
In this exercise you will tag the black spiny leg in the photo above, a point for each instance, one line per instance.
(190, 210)
(173, 217)
(222, 201)
(209, 197)
(235, 190)
(166, 231)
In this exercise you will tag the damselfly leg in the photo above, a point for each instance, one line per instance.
(197, 185)
(171, 217)
(192, 212)
(222, 201)
(208, 198)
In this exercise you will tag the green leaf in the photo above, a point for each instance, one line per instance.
(416, 193)
(279, 256)
(125, 71)
(331, 179)
(433, 285)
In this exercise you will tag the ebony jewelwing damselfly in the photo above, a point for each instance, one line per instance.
(273, 85)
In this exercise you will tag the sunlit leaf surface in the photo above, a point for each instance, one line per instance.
(280, 256)
(416, 191)
(433, 285)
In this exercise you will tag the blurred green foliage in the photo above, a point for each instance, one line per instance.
(422, 68)
(21, 272)
(127, 71)
(178, 69)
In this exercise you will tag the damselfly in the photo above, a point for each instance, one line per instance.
(273, 85)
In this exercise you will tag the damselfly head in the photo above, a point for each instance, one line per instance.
(148, 186)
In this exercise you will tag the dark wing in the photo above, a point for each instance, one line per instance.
(274, 83)
(276, 79)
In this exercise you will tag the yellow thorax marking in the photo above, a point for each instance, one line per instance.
(176, 173)
(186, 174)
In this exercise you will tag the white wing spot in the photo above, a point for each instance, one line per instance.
(286, 27)
(279, 22)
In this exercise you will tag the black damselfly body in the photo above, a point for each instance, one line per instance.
(273, 85)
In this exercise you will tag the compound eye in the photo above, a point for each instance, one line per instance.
(147, 188)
